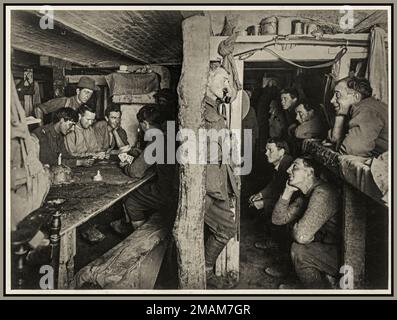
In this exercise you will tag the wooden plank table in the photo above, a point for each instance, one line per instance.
(82, 200)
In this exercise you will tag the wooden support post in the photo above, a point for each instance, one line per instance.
(55, 242)
(354, 228)
(66, 259)
(20, 254)
(228, 261)
(189, 224)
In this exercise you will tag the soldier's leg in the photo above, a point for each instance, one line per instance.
(312, 261)
(220, 220)
(136, 209)
(138, 204)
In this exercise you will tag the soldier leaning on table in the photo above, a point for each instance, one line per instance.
(157, 195)
(51, 139)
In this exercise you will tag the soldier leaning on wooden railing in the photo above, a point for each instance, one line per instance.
(361, 121)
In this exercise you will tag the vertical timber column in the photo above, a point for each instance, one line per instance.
(228, 261)
(189, 224)
(354, 229)
(67, 252)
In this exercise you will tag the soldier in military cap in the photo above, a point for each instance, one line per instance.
(84, 91)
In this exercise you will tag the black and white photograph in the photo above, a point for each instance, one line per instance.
(198, 149)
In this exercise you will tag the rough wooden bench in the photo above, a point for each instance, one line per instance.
(132, 264)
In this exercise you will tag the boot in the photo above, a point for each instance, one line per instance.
(213, 248)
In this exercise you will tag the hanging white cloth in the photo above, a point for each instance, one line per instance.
(376, 71)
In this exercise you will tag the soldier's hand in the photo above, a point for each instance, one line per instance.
(290, 188)
(100, 155)
(256, 196)
(108, 153)
(85, 162)
(258, 204)
(122, 164)
(125, 149)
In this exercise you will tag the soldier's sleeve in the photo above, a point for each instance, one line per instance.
(322, 206)
(364, 129)
(138, 167)
(123, 136)
(53, 105)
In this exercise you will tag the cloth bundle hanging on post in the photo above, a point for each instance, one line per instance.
(225, 50)
(376, 71)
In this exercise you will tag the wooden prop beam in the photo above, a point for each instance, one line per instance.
(189, 224)
(354, 234)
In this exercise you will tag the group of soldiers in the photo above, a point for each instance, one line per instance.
(295, 196)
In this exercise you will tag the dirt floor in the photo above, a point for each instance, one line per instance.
(253, 261)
